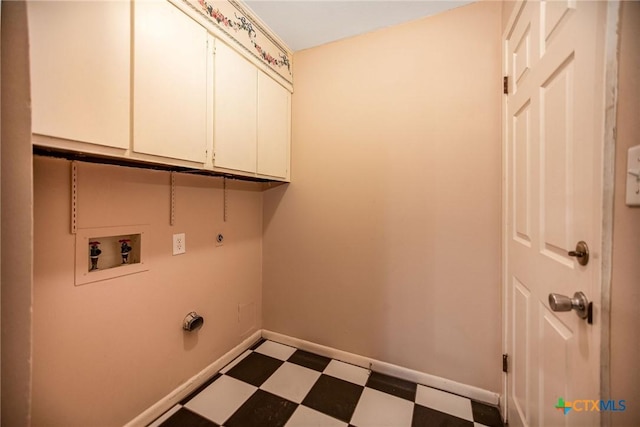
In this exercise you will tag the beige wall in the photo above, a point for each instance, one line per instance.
(17, 224)
(387, 241)
(625, 287)
(105, 351)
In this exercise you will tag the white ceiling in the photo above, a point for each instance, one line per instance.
(302, 24)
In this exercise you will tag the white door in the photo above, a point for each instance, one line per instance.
(554, 130)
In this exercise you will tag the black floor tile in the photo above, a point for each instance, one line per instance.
(255, 368)
(487, 415)
(257, 344)
(262, 409)
(199, 389)
(309, 360)
(392, 385)
(185, 418)
(334, 397)
(427, 417)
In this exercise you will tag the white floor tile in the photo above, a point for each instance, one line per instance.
(444, 402)
(291, 381)
(378, 409)
(235, 361)
(165, 416)
(277, 350)
(479, 425)
(347, 372)
(221, 399)
(307, 417)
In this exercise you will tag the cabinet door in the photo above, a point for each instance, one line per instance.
(274, 114)
(170, 83)
(235, 111)
(80, 70)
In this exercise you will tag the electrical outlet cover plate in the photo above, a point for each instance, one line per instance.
(633, 178)
(179, 244)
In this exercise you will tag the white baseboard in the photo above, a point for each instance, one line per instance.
(471, 392)
(183, 390)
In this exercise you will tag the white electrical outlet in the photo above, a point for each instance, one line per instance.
(179, 244)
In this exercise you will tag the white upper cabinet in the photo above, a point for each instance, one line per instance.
(274, 125)
(252, 118)
(80, 71)
(155, 81)
(235, 112)
(171, 57)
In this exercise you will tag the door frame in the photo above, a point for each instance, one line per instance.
(608, 145)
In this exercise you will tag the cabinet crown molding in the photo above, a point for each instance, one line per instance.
(232, 21)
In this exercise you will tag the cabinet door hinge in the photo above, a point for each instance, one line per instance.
(505, 363)
(505, 85)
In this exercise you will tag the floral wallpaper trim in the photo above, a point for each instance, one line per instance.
(242, 24)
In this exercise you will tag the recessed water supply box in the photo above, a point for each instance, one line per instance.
(109, 252)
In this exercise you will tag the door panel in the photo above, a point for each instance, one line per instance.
(554, 136)
(554, 15)
(522, 159)
(521, 350)
(522, 50)
(555, 343)
(557, 171)
(522, 56)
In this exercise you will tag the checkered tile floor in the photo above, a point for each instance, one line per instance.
(276, 385)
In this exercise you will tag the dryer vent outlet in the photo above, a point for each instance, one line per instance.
(192, 322)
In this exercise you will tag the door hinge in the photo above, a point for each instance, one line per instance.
(505, 85)
(505, 363)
